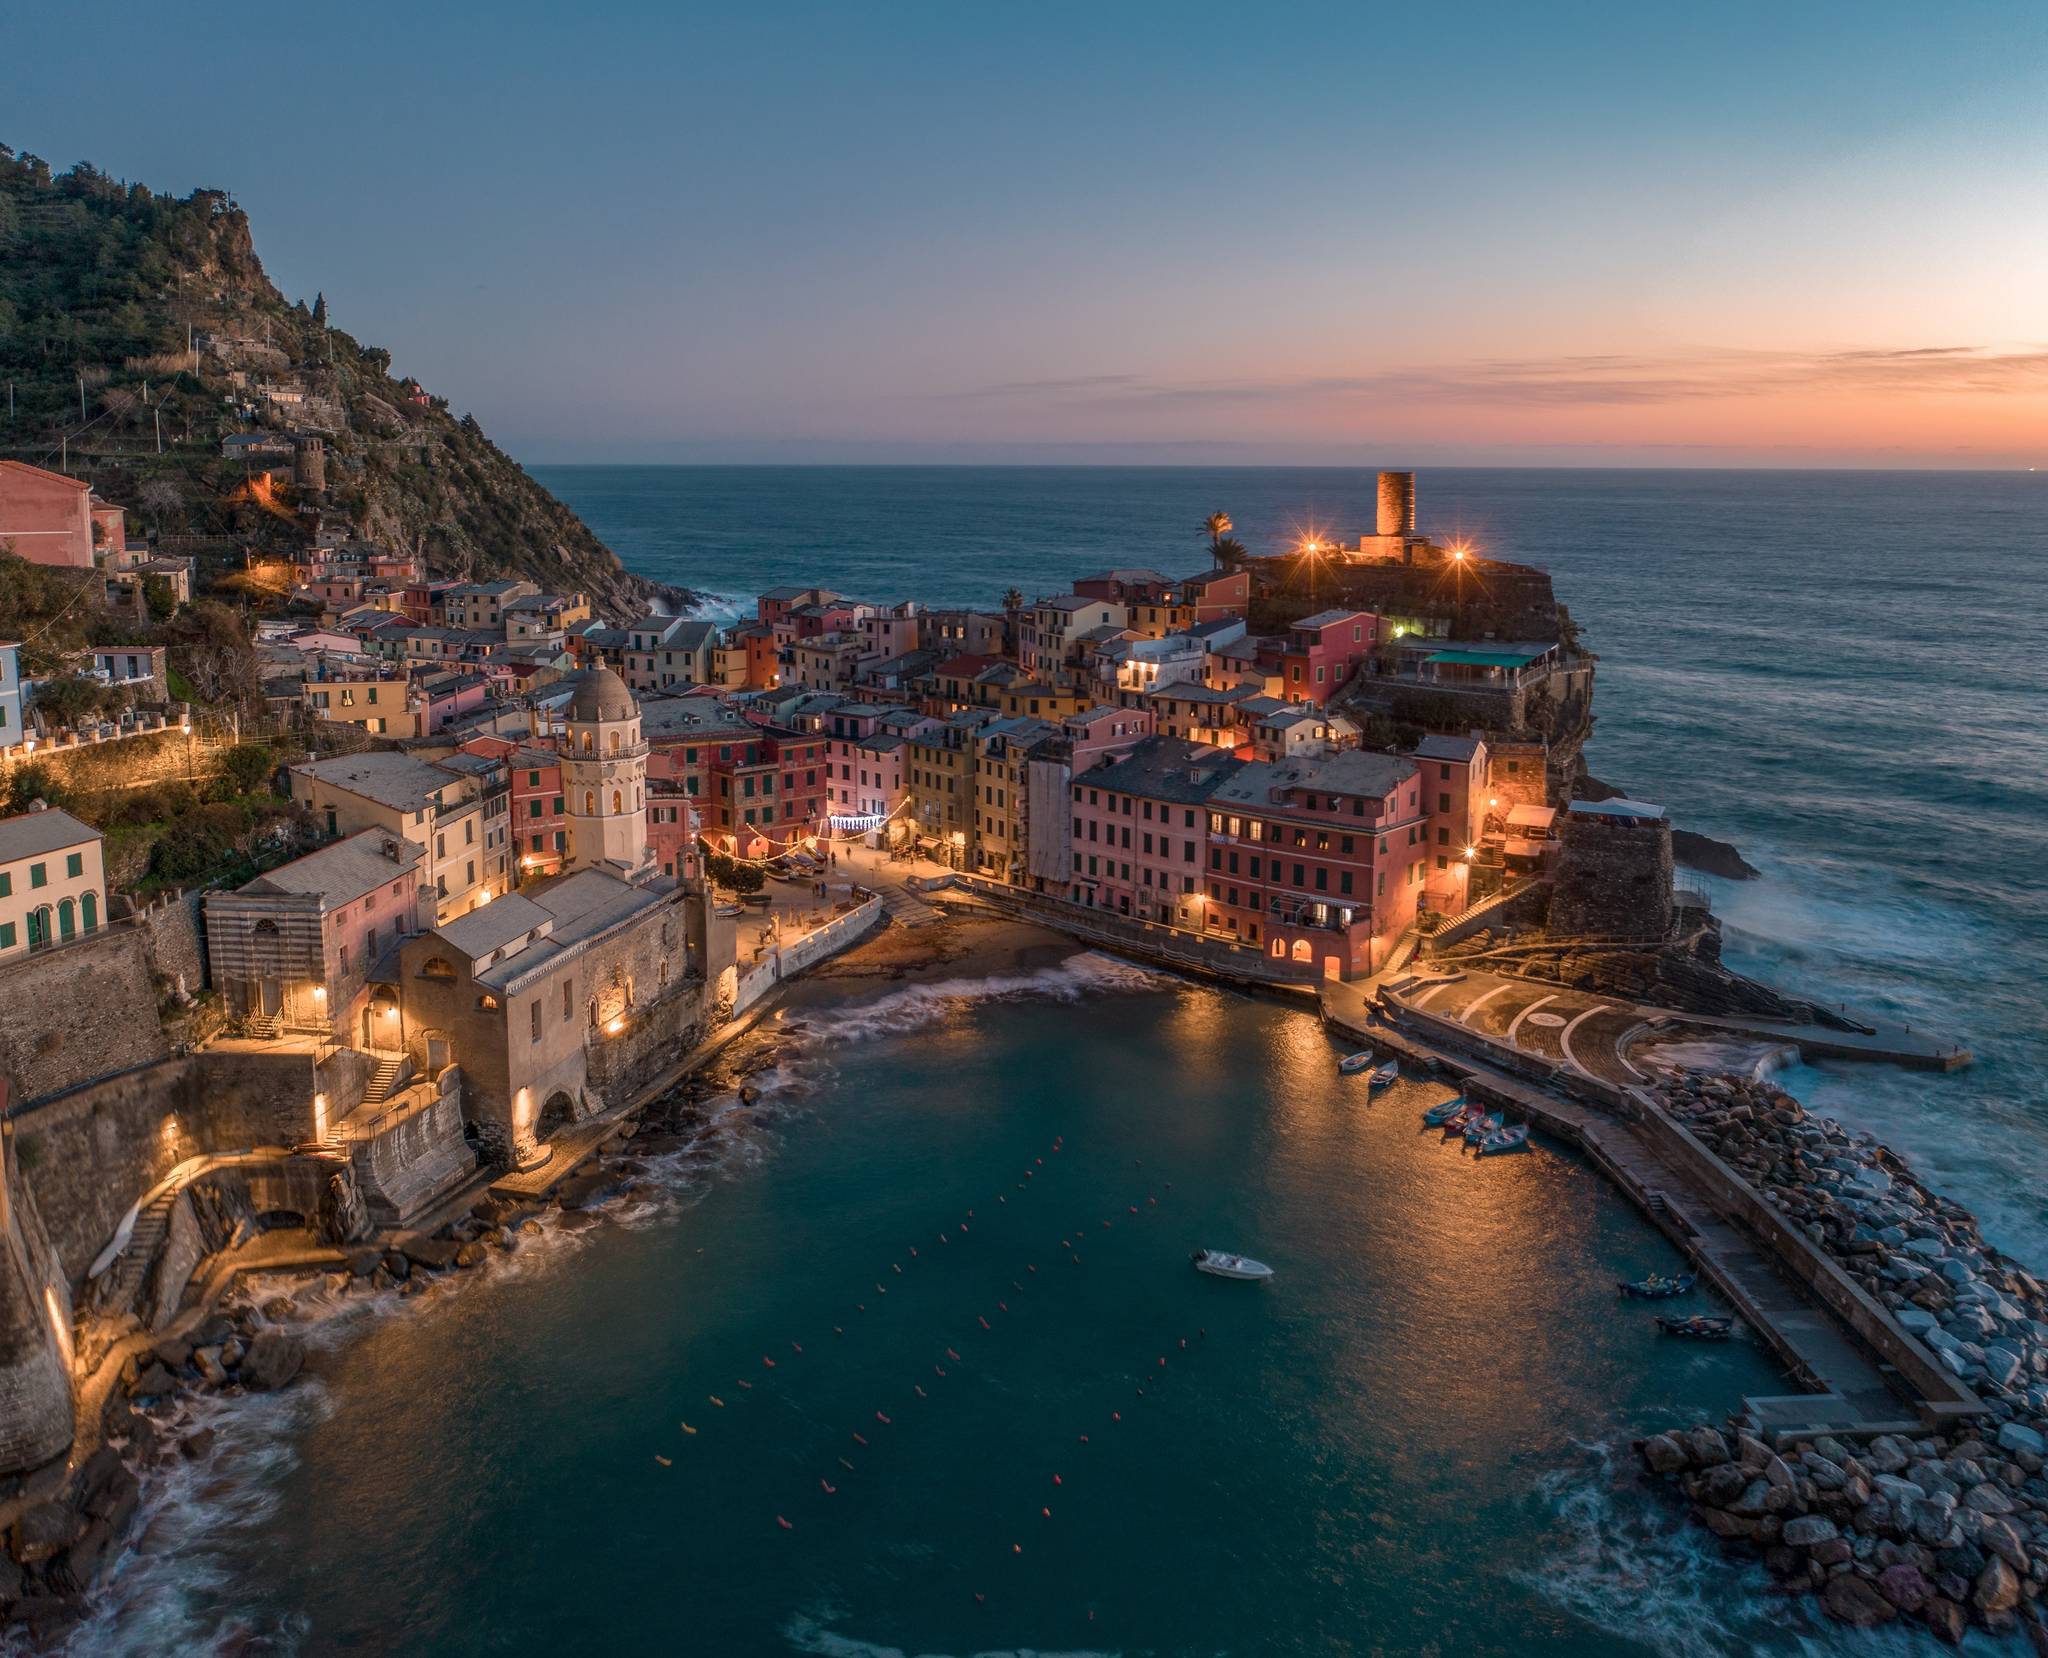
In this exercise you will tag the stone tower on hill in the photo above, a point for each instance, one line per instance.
(604, 778)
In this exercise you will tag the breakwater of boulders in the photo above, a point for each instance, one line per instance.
(1947, 1530)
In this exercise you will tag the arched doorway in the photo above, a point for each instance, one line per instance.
(381, 1024)
(67, 919)
(39, 927)
(558, 1113)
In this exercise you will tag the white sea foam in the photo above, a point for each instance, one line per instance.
(1625, 1562)
(1075, 979)
(809, 1634)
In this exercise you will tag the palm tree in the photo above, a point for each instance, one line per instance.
(1218, 525)
(1013, 601)
(1228, 552)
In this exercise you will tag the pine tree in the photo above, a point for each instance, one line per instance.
(320, 309)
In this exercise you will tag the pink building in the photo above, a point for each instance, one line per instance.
(1454, 794)
(1318, 860)
(48, 518)
(1140, 830)
(1320, 653)
(294, 949)
(870, 754)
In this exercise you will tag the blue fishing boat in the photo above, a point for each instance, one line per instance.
(1479, 1127)
(1505, 1139)
(1657, 1287)
(1443, 1111)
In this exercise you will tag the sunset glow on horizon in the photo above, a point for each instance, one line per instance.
(1601, 237)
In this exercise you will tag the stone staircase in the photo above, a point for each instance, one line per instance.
(123, 1283)
(385, 1080)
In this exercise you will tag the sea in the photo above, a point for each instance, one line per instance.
(904, 1357)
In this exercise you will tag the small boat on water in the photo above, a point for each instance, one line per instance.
(1443, 1111)
(1351, 1064)
(1697, 1328)
(1385, 1076)
(1220, 1264)
(1479, 1127)
(1657, 1287)
(1514, 1138)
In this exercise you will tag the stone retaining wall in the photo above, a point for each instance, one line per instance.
(788, 960)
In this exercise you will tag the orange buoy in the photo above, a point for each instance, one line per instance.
(688, 1429)
(1056, 1480)
(664, 1461)
(1116, 1416)
(786, 1526)
(714, 1398)
(1046, 1512)
(831, 1490)
(1162, 1359)
(765, 1359)
(1084, 1439)
(984, 1323)
(879, 1417)
(858, 1440)
(1133, 1208)
(1016, 1548)
(1040, 1161)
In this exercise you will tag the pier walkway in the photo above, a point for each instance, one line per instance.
(1830, 1336)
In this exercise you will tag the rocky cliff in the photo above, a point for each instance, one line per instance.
(139, 331)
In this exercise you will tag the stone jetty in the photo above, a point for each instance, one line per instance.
(1944, 1529)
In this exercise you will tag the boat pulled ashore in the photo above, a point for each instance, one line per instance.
(1220, 1263)
(1351, 1064)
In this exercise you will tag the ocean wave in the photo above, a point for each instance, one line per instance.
(913, 1007)
(809, 1634)
(1624, 1562)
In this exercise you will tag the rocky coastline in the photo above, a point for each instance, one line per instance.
(252, 1340)
(1947, 1530)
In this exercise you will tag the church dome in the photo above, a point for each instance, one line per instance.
(602, 696)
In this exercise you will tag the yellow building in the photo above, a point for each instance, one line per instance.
(378, 704)
(53, 883)
(457, 812)
(939, 769)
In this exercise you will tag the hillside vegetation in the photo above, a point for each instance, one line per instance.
(134, 330)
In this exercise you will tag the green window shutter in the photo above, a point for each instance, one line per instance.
(74, 864)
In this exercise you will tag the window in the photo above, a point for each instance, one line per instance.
(38, 875)
(568, 999)
(536, 1019)
(6, 935)
(6, 886)
(74, 864)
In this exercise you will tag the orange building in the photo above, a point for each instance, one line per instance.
(48, 518)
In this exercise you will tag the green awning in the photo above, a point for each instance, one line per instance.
(1485, 659)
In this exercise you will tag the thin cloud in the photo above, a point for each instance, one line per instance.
(1593, 380)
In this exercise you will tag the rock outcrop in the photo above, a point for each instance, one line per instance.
(1945, 1530)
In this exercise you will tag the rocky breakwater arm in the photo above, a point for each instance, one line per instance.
(1944, 1529)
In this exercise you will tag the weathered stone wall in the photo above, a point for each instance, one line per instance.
(418, 1156)
(132, 762)
(79, 1012)
(175, 938)
(35, 1383)
(88, 1155)
(654, 1043)
(1613, 879)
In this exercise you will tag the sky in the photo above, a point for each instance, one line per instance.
(1558, 234)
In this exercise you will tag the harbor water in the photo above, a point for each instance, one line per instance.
(1413, 1439)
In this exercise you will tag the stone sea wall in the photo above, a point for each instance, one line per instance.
(1944, 1529)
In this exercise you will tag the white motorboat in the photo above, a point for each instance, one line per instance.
(1384, 1076)
(1351, 1064)
(1220, 1264)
